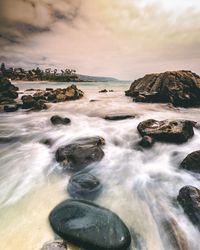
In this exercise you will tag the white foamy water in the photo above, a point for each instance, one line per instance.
(140, 186)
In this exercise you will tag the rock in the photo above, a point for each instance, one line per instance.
(146, 142)
(11, 108)
(177, 131)
(40, 105)
(81, 153)
(57, 120)
(181, 88)
(89, 226)
(93, 100)
(73, 93)
(189, 199)
(54, 245)
(39, 96)
(61, 98)
(49, 89)
(30, 90)
(8, 91)
(84, 185)
(192, 162)
(111, 90)
(28, 101)
(103, 91)
(118, 117)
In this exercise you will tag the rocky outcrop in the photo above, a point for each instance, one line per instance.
(177, 131)
(89, 226)
(189, 199)
(8, 92)
(181, 88)
(118, 117)
(192, 162)
(79, 154)
(58, 120)
(84, 186)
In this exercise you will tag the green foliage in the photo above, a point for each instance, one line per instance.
(48, 74)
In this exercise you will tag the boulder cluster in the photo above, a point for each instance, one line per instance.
(180, 88)
(8, 95)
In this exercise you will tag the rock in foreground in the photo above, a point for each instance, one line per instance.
(89, 226)
(8, 92)
(181, 88)
(81, 153)
(192, 162)
(189, 199)
(84, 185)
(177, 131)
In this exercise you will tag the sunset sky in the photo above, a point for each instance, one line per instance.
(120, 38)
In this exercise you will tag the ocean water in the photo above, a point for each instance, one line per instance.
(141, 186)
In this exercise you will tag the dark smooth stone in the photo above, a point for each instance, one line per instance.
(81, 153)
(84, 185)
(89, 226)
(191, 162)
(146, 142)
(189, 199)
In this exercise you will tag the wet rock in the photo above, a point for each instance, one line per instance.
(49, 89)
(54, 245)
(181, 88)
(81, 153)
(40, 105)
(30, 90)
(89, 226)
(39, 96)
(11, 108)
(57, 120)
(103, 91)
(28, 101)
(118, 117)
(111, 90)
(8, 91)
(146, 142)
(84, 185)
(192, 162)
(189, 199)
(61, 98)
(177, 131)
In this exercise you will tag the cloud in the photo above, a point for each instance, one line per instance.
(123, 38)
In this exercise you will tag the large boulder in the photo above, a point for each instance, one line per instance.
(84, 186)
(177, 131)
(192, 162)
(189, 199)
(181, 88)
(89, 226)
(80, 153)
(8, 91)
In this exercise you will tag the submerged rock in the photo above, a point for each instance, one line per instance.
(192, 162)
(89, 226)
(11, 108)
(58, 120)
(146, 142)
(103, 91)
(81, 153)
(189, 199)
(181, 88)
(177, 131)
(84, 185)
(118, 117)
(55, 245)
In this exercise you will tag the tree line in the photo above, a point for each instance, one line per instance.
(48, 74)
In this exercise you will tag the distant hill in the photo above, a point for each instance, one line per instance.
(86, 78)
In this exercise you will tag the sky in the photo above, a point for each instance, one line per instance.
(121, 38)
